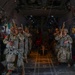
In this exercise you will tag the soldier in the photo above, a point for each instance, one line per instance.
(20, 62)
(27, 42)
(64, 51)
(20, 47)
(56, 43)
(9, 40)
(10, 53)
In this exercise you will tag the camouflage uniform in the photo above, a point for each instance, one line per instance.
(10, 51)
(26, 36)
(64, 52)
(20, 49)
(16, 41)
(8, 38)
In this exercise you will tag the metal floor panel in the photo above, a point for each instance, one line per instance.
(44, 65)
